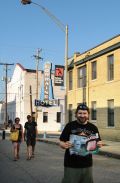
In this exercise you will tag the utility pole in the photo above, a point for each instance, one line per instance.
(38, 58)
(31, 110)
(6, 81)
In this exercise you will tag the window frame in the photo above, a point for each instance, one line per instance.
(58, 117)
(94, 70)
(81, 77)
(110, 67)
(70, 80)
(45, 117)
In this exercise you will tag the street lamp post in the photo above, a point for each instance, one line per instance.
(65, 30)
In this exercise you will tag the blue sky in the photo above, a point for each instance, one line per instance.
(24, 29)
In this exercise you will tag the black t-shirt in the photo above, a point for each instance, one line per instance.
(77, 161)
(31, 129)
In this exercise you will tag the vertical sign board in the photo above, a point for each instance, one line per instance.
(47, 73)
(59, 75)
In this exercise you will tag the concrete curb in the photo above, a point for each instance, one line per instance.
(109, 154)
(101, 152)
(48, 141)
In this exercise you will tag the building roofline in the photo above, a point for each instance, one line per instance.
(24, 69)
(100, 44)
(21, 66)
(97, 54)
(28, 70)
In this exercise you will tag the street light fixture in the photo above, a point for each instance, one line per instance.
(25, 2)
(65, 30)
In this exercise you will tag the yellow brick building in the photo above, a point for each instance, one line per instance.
(94, 78)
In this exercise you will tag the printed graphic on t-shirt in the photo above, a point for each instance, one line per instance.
(81, 130)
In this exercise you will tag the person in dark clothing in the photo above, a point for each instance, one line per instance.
(16, 144)
(78, 167)
(30, 134)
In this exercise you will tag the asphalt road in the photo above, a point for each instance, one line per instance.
(47, 166)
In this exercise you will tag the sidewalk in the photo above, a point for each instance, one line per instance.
(110, 148)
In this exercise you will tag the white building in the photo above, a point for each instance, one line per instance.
(19, 105)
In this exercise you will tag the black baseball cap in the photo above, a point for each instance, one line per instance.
(82, 106)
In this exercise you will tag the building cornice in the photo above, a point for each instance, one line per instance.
(98, 54)
(95, 55)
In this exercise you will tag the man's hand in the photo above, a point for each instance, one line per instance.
(65, 145)
(99, 144)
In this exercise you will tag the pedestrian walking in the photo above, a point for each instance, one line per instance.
(16, 144)
(78, 166)
(30, 134)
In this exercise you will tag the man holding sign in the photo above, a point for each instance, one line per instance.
(78, 154)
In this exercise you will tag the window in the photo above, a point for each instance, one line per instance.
(111, 113)
(93, 111)
(81, 77)
(70, 112)
(45, 117)
(58, 117)
(110, 61)
(70, 80)
(94, 70)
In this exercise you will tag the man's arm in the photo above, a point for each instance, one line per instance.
(64, 137)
